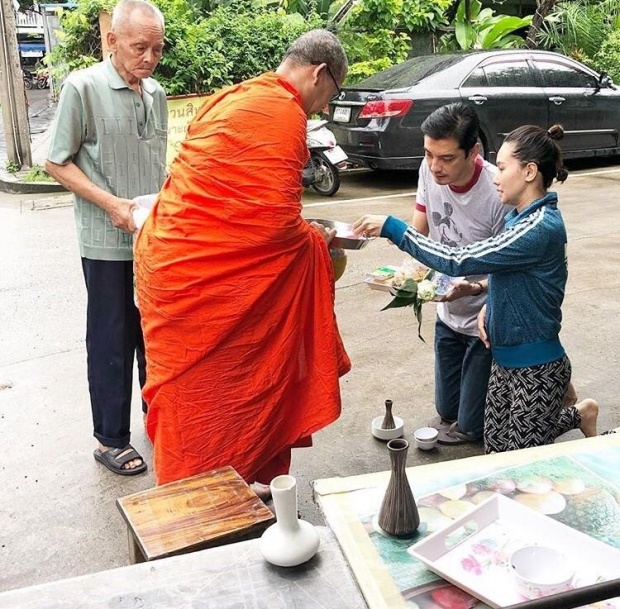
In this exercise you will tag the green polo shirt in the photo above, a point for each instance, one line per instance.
(118, 139)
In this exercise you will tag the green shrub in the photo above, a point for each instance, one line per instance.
(12, 167)
(79, 39)
(363, 69)
(607, 58)
(37, 174)
(256, 40)
(236, 41)
(378, 33)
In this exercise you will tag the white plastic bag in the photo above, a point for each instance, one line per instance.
(144, 204)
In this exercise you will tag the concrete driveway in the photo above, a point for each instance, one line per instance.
(57, 505)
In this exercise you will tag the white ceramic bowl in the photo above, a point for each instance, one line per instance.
(426, 438)
(540, 571)
(387, 434)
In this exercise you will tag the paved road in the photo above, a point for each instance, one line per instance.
(40, 114)
(57, 512)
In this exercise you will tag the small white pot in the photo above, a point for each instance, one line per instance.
(426, 438)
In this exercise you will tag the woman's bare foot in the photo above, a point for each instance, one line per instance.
(130, 464)
(262, 490)
(588, 409)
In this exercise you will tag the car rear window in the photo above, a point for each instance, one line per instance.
(408, 72)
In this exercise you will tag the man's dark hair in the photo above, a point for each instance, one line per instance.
(456, 121)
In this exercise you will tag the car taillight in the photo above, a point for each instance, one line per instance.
(385, 108)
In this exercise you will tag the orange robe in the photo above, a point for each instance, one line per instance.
(236, 292)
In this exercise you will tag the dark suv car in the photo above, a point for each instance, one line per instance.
(377, 121)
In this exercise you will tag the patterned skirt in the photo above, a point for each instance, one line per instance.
(525, 408)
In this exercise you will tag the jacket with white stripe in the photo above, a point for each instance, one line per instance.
(527, 271)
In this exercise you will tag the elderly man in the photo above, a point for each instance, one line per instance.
(108, 146)
(235, 288)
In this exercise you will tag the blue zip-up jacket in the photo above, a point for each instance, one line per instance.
(527, 277)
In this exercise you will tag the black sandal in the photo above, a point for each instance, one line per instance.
(110, 458)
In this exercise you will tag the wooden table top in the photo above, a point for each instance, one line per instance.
(203, 511)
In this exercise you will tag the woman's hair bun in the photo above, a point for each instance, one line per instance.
(556, 132)
(562, 174)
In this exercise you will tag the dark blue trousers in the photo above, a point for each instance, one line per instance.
(113, 338)
(462, 369)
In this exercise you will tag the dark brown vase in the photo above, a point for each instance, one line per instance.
(398, 515)
(388, 419)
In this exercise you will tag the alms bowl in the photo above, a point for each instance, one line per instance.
(344, 238)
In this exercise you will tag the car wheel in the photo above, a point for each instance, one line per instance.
(327, 178)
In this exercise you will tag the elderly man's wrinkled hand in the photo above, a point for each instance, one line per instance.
(369, 226)
(327, 234)
(120, 212)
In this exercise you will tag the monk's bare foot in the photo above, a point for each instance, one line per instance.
(130, 464)
(588, 409)
(262, 490)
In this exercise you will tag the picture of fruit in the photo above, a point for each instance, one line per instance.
(569, 486)
(536, 484)
(431, 501)
(502, 485)
(454, 492)
(545, 503)
(594, 511)
(481, 496)
(433, 518)
(455, 508)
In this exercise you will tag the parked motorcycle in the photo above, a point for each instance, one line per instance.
(43, 79)
(28, 79)
(326, 156)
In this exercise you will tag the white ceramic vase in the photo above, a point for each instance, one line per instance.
(290, 541)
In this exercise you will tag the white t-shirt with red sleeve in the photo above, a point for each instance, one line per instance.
(458, 216)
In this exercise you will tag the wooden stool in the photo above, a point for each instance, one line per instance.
(204, 511)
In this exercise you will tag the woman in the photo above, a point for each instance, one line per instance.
(527, 278)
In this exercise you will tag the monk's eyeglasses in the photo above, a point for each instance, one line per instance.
(331, 75)
(337, 93)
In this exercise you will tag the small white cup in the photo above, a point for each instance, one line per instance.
(426, 438)
(540, 571)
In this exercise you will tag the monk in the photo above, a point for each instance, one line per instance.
(235, 288)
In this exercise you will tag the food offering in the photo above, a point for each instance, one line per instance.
(391, 278)
(411, 284)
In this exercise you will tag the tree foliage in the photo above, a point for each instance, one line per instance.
(578, 29)
(587, 30)
(483, 29)
(379, 33)
(607, 58)
(237, 40)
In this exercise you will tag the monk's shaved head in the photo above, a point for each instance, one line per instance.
(316, 47)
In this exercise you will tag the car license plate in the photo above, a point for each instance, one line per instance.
(342, 115)
(336, 155)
